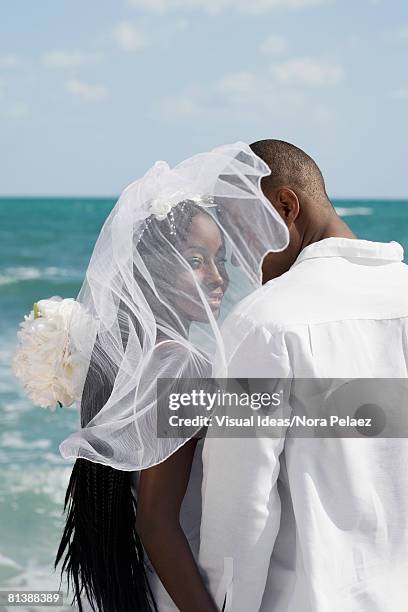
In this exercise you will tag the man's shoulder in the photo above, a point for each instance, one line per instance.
(271, 306)
(321, 291)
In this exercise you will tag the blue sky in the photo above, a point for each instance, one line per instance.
(93, 92)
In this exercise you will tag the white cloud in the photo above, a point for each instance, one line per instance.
(129, 37)
(18, 110)
(185, 107)
(402, 33)
(66, 59)
(244, 95)
(274, 45)
(257, 92)
(264, 6)
(8, 61)
(400, 94)
(237, 83)
(13, 109)
(308, 71)
(86, 92)
(219, 6)
(154, 6)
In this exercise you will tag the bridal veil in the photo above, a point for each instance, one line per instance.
(157, 297)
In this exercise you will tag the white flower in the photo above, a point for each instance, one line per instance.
(46, 362)
(161, 206)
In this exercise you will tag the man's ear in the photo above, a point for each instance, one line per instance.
(287, 204)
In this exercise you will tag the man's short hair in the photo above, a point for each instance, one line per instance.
(290, 167)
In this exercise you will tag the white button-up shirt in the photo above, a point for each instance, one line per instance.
(313, 524)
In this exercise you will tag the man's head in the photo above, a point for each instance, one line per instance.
(297, 190)
(291, 168)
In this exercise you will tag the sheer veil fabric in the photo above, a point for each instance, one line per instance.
(180, 249)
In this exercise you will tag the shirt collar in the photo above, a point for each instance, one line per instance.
(350, 247)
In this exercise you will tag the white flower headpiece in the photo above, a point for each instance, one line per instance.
(161, 206)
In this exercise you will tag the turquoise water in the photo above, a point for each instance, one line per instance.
(45, 247)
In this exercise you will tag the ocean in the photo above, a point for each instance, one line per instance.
(45, 245)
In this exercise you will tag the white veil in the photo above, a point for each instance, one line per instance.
(180, 249)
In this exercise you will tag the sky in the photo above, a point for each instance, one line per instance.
(93, 92)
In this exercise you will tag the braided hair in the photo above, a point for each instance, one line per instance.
(100, 549)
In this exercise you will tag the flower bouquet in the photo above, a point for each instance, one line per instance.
(52, 356)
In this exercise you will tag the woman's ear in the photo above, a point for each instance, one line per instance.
(287, 204)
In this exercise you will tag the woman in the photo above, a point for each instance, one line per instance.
(155, 284)
(162, 488)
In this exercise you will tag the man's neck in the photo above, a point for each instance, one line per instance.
(334, 227)
(316, 228)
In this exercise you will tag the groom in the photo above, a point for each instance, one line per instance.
(301, 524)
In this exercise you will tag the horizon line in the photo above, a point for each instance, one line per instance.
(116, 197)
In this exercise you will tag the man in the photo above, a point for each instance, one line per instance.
(301, 524)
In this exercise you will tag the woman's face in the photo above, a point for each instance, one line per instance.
(204, 250)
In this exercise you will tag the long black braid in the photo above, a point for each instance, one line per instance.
(100, 549)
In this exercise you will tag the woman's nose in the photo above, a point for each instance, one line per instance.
(214, 276)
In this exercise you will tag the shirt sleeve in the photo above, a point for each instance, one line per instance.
(240, 501)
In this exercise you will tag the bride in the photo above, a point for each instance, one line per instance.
(179, 250)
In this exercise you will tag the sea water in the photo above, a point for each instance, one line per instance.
(45, 245)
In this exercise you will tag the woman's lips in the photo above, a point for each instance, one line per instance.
(215, 299)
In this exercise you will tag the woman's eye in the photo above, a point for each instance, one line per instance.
(195, 262)
(222, 261)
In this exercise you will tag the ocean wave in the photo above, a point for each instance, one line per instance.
(54, 459)
(33, 576)
(8, 383)
(20, 274)
(353, 211)
(14, 439)
(9, 563)
(47, 482)
(33, 499)
(17, 407)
